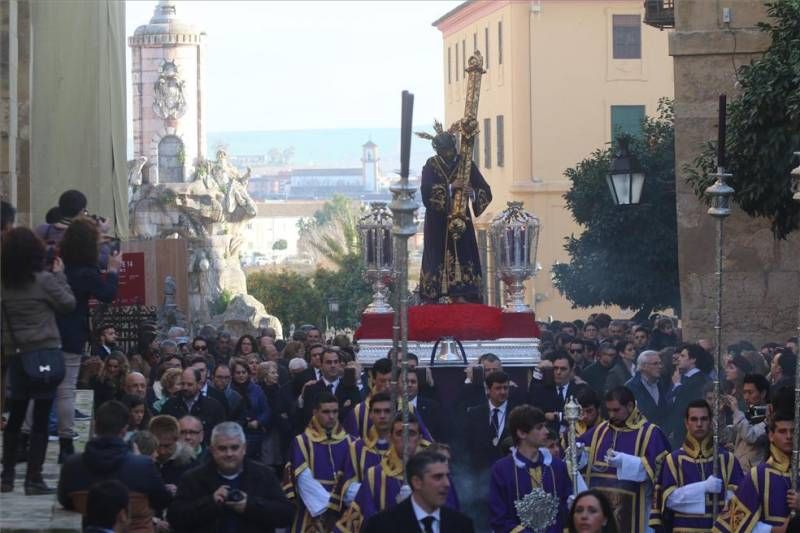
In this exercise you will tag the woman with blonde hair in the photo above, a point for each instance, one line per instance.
(169, 385)
(109, 384)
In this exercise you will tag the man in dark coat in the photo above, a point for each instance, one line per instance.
(191, 402)
(229, 493)
(648, 388)
(690, 358)
(551, 397)
(332, 381)
(451, 266)
(597, 373)
(107, 456)
(486, 425)
(427, 473)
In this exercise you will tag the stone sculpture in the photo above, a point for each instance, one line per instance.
(209, 212)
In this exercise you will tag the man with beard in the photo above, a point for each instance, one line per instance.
(624, 456)
(684, 493)
(191, 402)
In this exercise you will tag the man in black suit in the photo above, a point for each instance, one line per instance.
(312, 373)
(550, 398)
(199, 362)
(473, 391)
(691, 359)
(648, 388)
(597, 373)
(423, 511)
(346, 393)
(427, 410)
(190, 402)
(486, 426)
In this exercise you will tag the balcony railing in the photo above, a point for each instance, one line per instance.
(659, 13)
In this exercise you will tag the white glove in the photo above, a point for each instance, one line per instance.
(614, 458)
(570, 501)
(712, 485)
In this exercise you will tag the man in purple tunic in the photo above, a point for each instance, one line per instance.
(529, 466)
(761, 503)
(625, 454)
(381, 483)
(369, 451)
(323, 468)
(683, 498)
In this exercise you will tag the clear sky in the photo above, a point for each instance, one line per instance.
(276, 65)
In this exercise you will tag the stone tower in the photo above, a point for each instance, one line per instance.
(168, 102)
(369, 160)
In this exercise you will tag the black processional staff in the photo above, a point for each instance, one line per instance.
(403, 208)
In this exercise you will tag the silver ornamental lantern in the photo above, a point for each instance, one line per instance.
(515, 235)
(375, 232)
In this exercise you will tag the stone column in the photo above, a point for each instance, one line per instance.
(761, 280)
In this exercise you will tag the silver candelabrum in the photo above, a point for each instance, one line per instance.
(377, 250)
(515, 235)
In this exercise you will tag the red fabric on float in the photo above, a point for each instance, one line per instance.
(462, 321)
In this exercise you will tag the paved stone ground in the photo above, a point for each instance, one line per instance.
(30, 514)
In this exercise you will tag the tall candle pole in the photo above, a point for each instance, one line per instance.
(403, 208)
(796, 435)
(720, 194)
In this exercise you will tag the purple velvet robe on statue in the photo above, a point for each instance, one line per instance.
(461, 271)
(511, 482)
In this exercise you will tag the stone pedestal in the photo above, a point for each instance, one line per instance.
(761, 282)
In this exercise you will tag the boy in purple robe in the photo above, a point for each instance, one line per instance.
(762, 503)
(369, 451)
(529, 466)
(358, 422)
(683, 498)
(323, 468)
(625, 454)
(381, 483)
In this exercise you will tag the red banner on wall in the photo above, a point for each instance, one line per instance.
(131, 289)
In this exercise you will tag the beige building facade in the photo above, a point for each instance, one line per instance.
(561, 75)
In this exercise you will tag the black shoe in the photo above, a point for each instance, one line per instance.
(6, 486)
(81, 416)
(37, 488)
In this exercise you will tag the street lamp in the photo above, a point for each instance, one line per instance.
(333, 310)
(625, 179)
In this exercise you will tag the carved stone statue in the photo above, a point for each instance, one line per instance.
(209, 212)
(169, 100)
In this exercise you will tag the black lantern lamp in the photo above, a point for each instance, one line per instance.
(626, 179)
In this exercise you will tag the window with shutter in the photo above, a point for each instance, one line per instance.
(627, 36)
(626, 119)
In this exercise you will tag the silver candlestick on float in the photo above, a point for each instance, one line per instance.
(377, 250)
(515, 235)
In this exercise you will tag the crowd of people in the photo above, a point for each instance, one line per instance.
(214, 432)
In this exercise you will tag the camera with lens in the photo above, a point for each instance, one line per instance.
(234, 495)
(756, 413)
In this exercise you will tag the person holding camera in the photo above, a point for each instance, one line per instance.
(750, 428)
(79, 250)
(229, 493)
(31, 299)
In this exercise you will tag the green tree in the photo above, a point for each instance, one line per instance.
(280, 244)
(332, 233)
(347, 285)
(763, 128)
(288, 295)
(627, 255)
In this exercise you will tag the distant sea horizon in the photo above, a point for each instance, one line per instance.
(326, 148)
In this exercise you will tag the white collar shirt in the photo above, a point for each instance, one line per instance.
(420, 514)
(501, 416)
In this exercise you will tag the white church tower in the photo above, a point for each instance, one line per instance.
(371, 170)
(168, 102)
